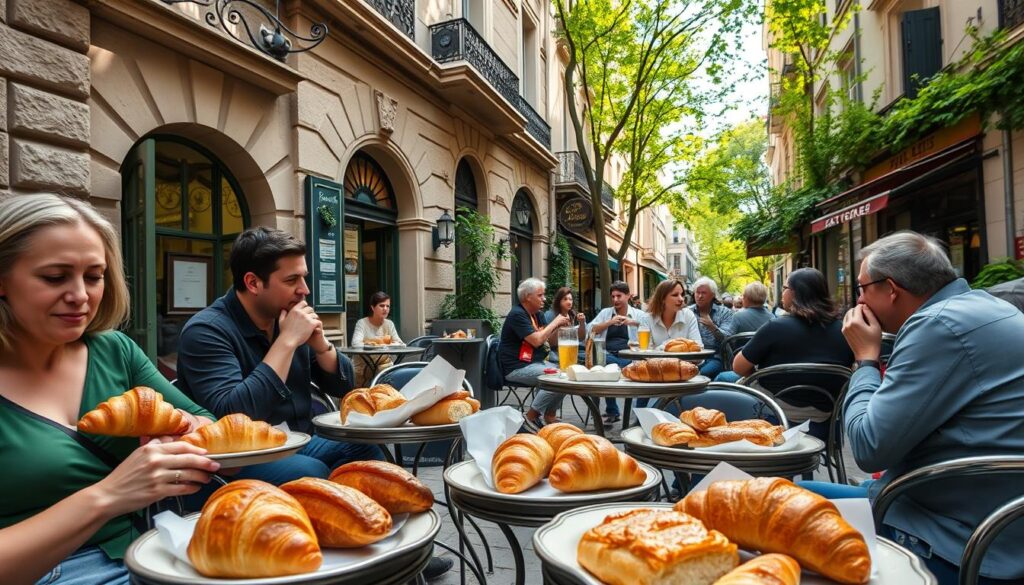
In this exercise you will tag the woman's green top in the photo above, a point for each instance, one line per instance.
(43, 465)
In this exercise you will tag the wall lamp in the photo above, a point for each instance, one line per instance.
(444, 231)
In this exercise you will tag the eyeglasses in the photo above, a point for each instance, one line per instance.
(858, 288)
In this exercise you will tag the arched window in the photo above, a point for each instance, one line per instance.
(465, 197)
(366, 183)
(520, 239)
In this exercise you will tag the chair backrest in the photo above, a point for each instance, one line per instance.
(399, 375)
(840, 374)
(737, 402)
(494, 378)
(426, 342)
(321, 401)
(888, 341)
(732, 345)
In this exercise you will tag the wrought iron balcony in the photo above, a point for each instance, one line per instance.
(535, 124)
(607, 198)
(457, 40)
(570, 170)
(1011, 13)
(401, 13)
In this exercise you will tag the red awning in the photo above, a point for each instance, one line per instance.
(859, 209)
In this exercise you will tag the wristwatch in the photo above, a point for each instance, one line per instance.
(867, 364)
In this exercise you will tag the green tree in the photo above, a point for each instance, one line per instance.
(732, 174)
(477, 271)
(559, 268)
(721, 257)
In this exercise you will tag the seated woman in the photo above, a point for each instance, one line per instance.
(668, 318)
(812, 333)
(63, 508)
(376, 326)
(562, 305)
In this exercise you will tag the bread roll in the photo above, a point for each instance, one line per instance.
(234, 433)
(520, 462)
(588, 462)
(139, 412)
(660, 370)
(655, 547)
(446, 412)
(386, 483)
(342, 517)
(771, 569)
(556, 434)
(682, 345)
(772, 515)
(370, 401)
(702, 419)
(765, 437)
(250, 529)
(672, 434)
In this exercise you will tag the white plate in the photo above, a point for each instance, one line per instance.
(293, 443)
(466, 477)
(148, 558)
(333, 420)
(806, 445)
(556, 543)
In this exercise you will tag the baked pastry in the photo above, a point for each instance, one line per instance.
(139, 412)
(660, 370)
(556, 434)
(764, 436)
(342, 517)
(773, 515)
(448, 410)
(671, 434)
(460, 334)
(251, 529)
(702, 419)
(682, 345)
(771, 569)
(370, 401)
(753, 423)
(655, 547)
(234, 433)
(520, 463)
(588, 462)
(387, 484)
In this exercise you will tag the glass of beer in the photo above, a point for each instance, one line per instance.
(568, 347)
(643, 335)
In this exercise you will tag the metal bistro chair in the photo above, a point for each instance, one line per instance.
(426, 342)
(888, 341)
(988, 529)
(732, 345)
(834, 463)
(494, 374)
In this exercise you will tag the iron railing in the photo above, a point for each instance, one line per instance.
(1011, 13)
(457, 40)
(401, 13)
(570, 171)
(535, 124)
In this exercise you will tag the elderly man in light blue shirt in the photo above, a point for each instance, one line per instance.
(953, 387)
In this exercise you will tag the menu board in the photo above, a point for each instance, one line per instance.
(325, 212)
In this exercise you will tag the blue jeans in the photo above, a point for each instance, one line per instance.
(545, 400)
(711, 367)
(728, 376)
(317, 459)
(87, 566)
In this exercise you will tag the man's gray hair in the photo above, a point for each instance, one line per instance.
(705, 281)
(528, 286)
(756, 294)
(915, 262)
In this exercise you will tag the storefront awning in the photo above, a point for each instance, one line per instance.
(591, 256)
(859, 209)
(661, 276)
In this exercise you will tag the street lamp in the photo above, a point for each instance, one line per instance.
(444, 232)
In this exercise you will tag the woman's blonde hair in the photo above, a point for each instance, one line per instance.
(21, 216)
(657, 303)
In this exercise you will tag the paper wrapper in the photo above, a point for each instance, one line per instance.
(437, 380)
(608, 373)
(485, 430)
(651, 417)
(856, 511)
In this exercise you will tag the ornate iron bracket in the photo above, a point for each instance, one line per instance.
(271, 38)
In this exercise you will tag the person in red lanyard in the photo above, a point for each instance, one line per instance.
(524, 346)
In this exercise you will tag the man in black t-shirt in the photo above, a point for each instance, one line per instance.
(524, 345)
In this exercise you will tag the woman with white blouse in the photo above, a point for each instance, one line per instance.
(376, 326)
(667, 317)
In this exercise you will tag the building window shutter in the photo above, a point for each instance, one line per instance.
(922, 48)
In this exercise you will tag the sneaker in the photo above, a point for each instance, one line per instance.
(612, 418)
(436, 567)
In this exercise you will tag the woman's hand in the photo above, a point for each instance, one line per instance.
(153, 472)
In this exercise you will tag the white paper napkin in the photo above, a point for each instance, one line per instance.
(435, 381)
(651, 417)
(485, 430)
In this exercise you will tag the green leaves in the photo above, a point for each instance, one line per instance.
(998, 272)
(559, 268)
(477, 271)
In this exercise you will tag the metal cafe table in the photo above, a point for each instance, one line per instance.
(375, 355)
(694, 357)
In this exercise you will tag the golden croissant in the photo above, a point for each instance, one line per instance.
(771, 569)
(520, 463)
(682, 345)
(391, 486)
(774, 515)
(139, 412)
(588, 462)
(250, 529)
(769, 436)
(660, 370)
(556, 434)
(369, 401)
(671, 434)
(702, 419)
(342, 517)
(234, 433)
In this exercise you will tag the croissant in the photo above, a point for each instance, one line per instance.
(670, 434)
(682, 345)
(702, 419)
(234, 433)
(655, 547)
(773, 515)
(342, 517)
(371, 400)
(754, 423)
(765, 437)
(773, 569)
(387, 484)
(556, 434)
(520, 463)
(660, 370)
(588, 462)
(139, 412)
(251, 529)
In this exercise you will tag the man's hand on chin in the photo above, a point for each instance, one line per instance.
(863, 333)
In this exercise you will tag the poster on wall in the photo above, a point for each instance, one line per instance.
(325, 207)
(351, 263)
(188, 283)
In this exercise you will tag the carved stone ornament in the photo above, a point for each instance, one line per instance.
(387, 111)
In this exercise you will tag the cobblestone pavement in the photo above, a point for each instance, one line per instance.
(504, 566)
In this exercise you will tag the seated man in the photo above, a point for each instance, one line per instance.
(257, 349)
(617, 326)
(714, 322)
(524, 345)
(953, 387)
(753, 314)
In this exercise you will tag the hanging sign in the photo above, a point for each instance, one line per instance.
(576, 215)
(861, 209)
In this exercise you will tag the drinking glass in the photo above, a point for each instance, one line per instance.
(568, 347)
(643, 335)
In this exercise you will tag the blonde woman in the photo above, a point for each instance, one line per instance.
(66, 510)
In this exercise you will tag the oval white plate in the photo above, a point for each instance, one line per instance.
(806, 445)
(466, 477)
(292, 444)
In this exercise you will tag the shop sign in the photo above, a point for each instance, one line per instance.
(1019, 241)
(861, 209)
(935, 142)
(576, 215)
(325, 210)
